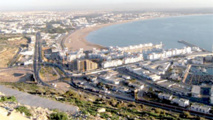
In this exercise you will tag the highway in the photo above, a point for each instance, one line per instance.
(37, 60)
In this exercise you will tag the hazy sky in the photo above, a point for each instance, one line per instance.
(80, 4)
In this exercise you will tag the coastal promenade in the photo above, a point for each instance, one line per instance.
(37, 101)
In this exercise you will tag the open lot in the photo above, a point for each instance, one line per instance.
(48, 74)
(15, 76)
(9, 48)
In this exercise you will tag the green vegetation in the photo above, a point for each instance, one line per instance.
(55, 30)
(34, 89)
(23, 109)
(100, 85)
(47, 70)
(58, 116)
(185, 115)
(8, 99)
(48, 73)
(50, 29)
(60, 72)
(132, 80)
(115, 109)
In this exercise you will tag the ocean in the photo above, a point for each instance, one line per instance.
(196, 29)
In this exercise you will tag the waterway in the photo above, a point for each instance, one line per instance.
(197, 29)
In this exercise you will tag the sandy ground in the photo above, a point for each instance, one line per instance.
(77, 40)
(14, 76)
(10, 49)
(6, 56)
(62, 86)
(12, 116)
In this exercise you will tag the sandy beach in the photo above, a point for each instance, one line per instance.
(77, 40)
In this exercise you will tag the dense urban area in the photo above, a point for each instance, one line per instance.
(61, 79)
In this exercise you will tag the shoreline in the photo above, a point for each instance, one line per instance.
(77, 39)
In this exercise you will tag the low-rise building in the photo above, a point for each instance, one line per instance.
(175, 76)
(165, 96)
(112, 63)
(201, 108)
(136, 86)
(208, 58)
(155, 77)
(29, 62)
(195, 91)
(169, 53)
(111, 78)
(126, 77)
(197, 60)
(181, 102)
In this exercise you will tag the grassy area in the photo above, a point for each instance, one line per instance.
(48, 74)
(115, 109)
(58, 116)
(25, 110)
(60, 72)
(8, 99)
(33, 88)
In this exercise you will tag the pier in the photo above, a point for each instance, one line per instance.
(192, 45)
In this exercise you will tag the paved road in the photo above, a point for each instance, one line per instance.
(33, 100)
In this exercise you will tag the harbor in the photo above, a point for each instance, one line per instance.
(192, 45)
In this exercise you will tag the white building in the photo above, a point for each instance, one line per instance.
(201, 108)
(133, 59)
(126, 77)
(113, 63)
(195, 91)
(165, 96)
(169, 53)
(76, 55)
(30, 53)
(110, 79)
(181, 102)
(29, 62)
(175, 76)
(139, 71)
(155, 77)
